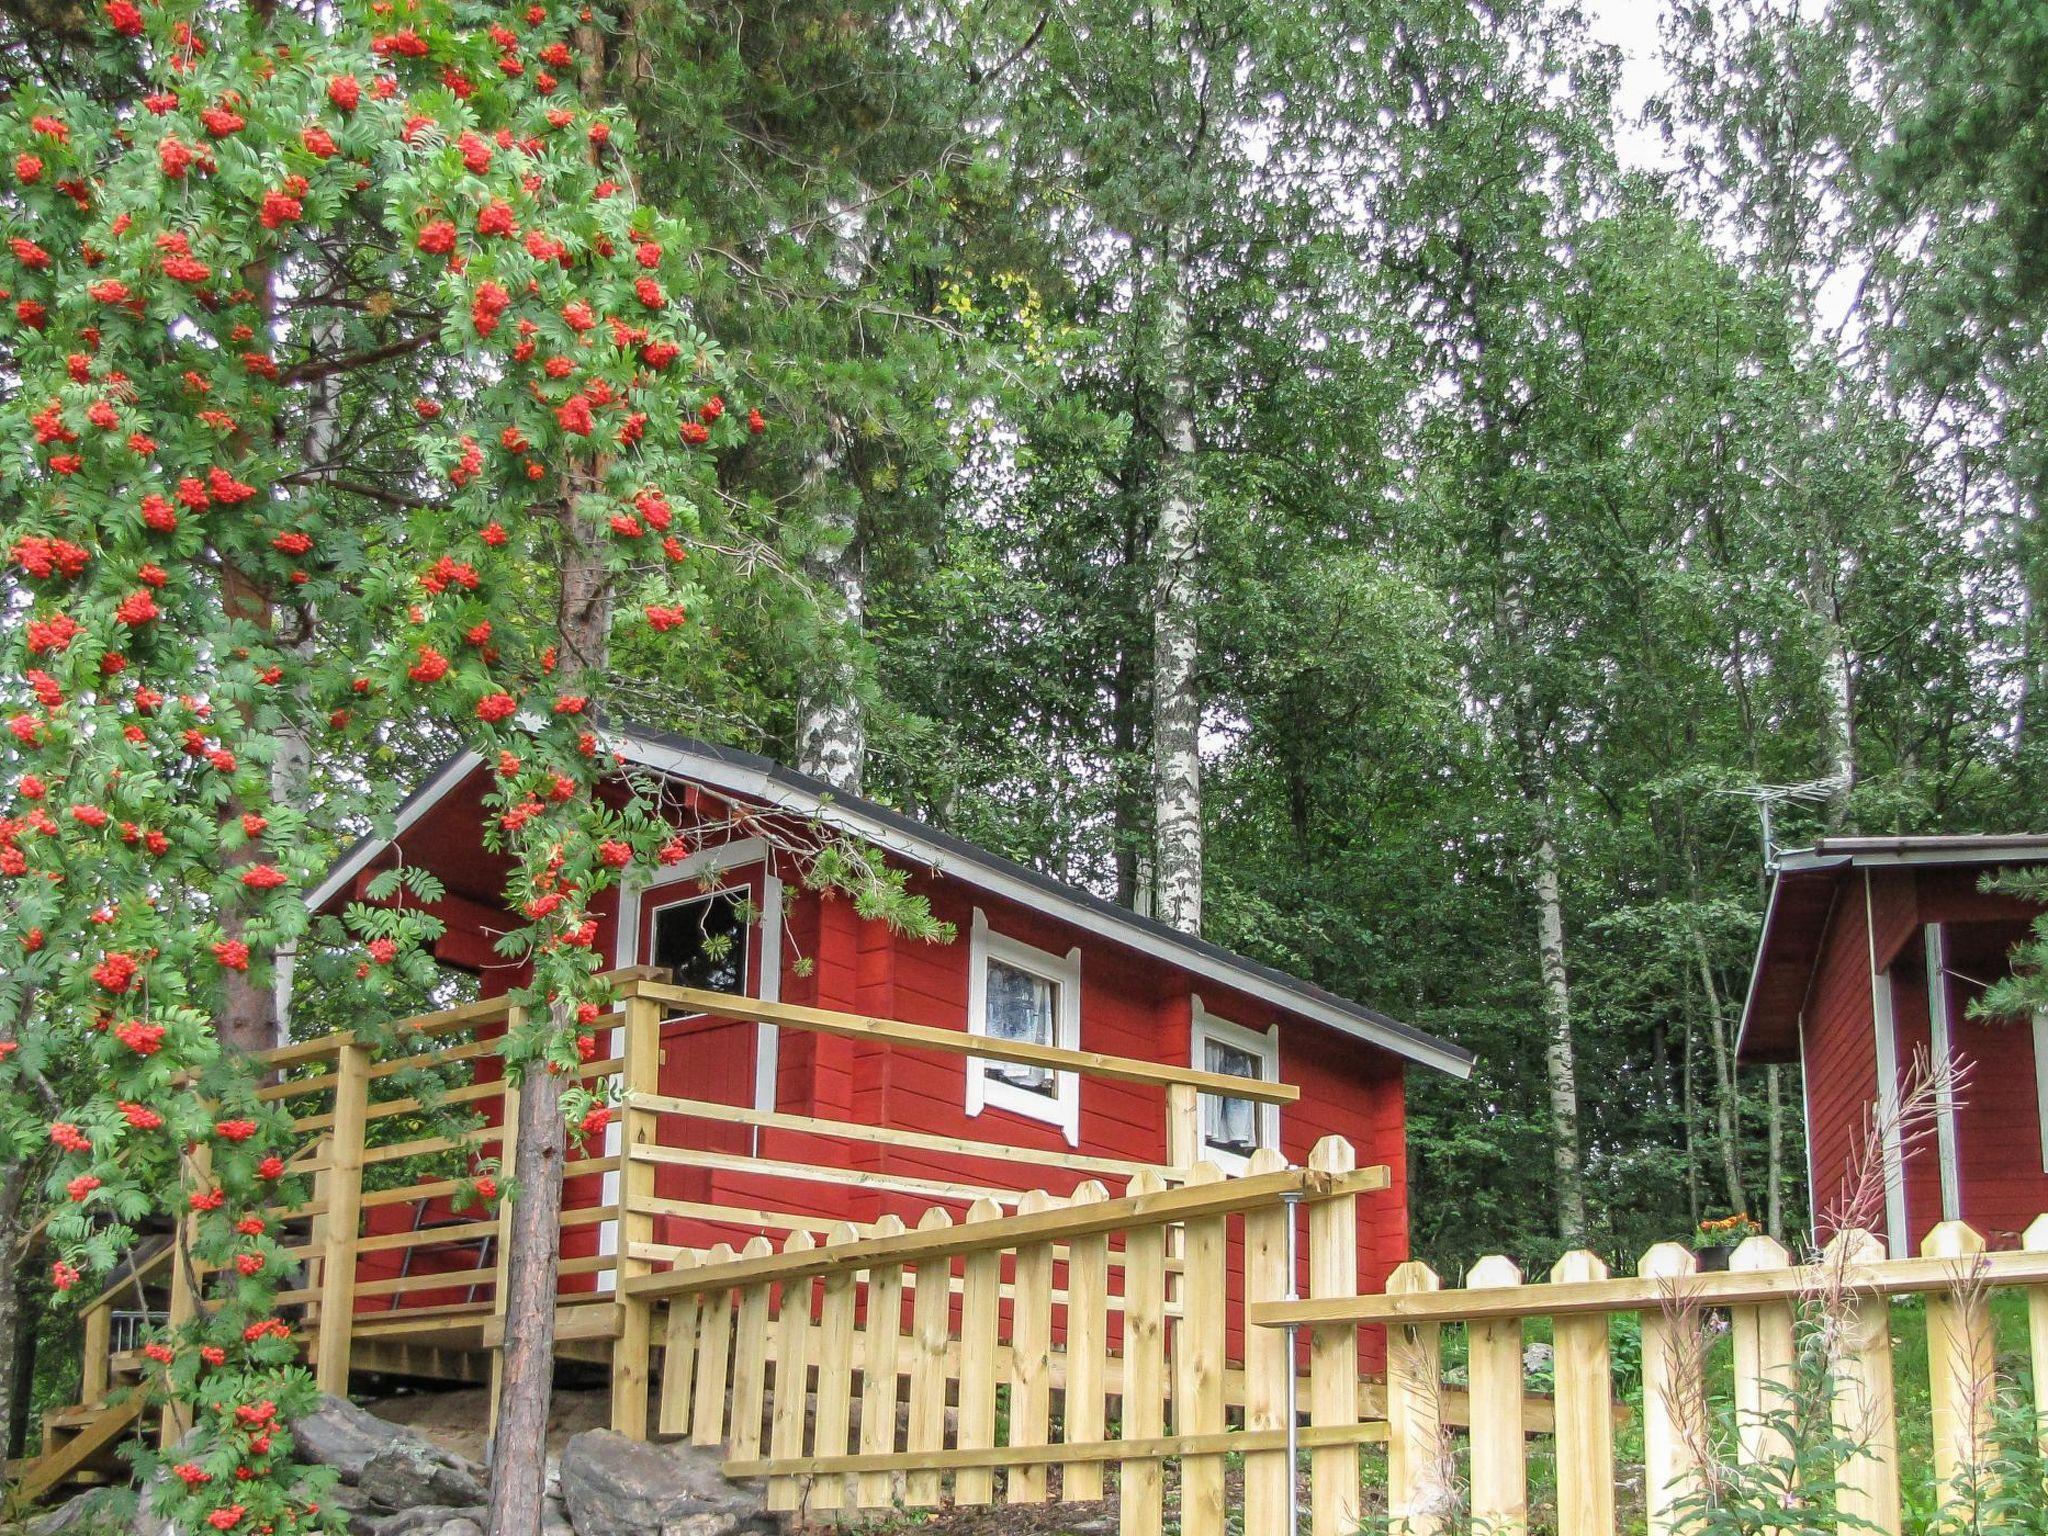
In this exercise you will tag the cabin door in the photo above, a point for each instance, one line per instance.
(712, 934)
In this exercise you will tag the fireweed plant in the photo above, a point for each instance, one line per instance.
(188, 585)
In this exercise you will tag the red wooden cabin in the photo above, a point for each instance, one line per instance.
(1034, 959)
(1873, 951)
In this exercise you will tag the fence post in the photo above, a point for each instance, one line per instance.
(1333, 1349)
(1087, 1349)
(679, 1355)
(1962, 1362)
(931, 1330)
(1415, 1447)
(792, 1377)
(1865, 1412)
(639, 1072)
(1267, 1361)
(980, 1308)
(1500, 1467)
(879, 1368)
(1764, 1360)
(834, 1418)
(1031, 1356)
(1141, 1485)
(1204, 1340)
(2036, 1241)
(343, 1215)
(183, 1305)
(1585, 1409)
(713, 1360)
(1674, 1393)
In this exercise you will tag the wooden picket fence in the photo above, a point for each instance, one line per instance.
(838, 1361)
(1766, 1298)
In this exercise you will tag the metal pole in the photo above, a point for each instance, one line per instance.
(1292, 1202)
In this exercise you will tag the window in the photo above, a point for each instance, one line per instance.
(1018, 993)
(704, 941)
(1233, 1129)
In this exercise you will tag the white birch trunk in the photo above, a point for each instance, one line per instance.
(1560, 1055)
(1176, 696)
(831, 732)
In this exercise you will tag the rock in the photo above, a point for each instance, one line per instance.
(613, 1486)
(554, 1517)
(94, 1511)
(427, 1520)
(392, 1468)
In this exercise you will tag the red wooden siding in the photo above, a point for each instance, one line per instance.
(1840, 1061)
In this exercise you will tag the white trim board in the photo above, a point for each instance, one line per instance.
(1941, 1042)
(1898, 1236)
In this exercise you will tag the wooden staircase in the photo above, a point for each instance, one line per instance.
(78, 1447)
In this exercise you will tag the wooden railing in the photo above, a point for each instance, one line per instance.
(827, 1369)
(1841, 1302)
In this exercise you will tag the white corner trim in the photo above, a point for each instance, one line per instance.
(1813, 1212)
(1940, 1039)
(2041, 1079)
(1898, 1237)
(1063, 1107)
(1205, 1026)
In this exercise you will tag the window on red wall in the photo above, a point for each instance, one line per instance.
(704, 941)
(1233, 1129)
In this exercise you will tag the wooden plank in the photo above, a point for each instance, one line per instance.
(834, 1419)
(884, 1135)
(342, 1189)
(640, 1072)
(881, 1343)
(1204, 1345)
(679, 1360)
(980, 1299)
(1762, 1334)
(1961, 1362)
(1674, 1391)
(96, 1375)
(715, 1350)
(2036, 1241)
(1135, 1454)
(750, 1363)
(1031, 1357)
(1416, 1492)
(955, 1042)
(1154, 1208)
(930, 1333)
(1585, 1409)
(822, 1173)
(792, 1372)
(1864, 1406)
(1141, 1486)
(1087, 1352)
(1500, 1461)
(50, 1470)
(1894, 1277)
(1333, 1348)
(1266, 1363)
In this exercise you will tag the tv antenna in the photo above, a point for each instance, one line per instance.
(1769, 796)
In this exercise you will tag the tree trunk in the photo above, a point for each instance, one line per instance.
(526, 1390)
(1560, 1057)
(1838, 705)
(1176, 696)
(1727, 1120)
(831, 735)
(1774, 1200)
(13, 1186)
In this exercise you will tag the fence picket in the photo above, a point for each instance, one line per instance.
(1961, 1362)
(930, 1326)
(1031, 1357)
(1266, 1362)
(1864, 1409)
(1500, 1466)
(1762, 1335)
(714, 1344)
(1142, 1488)
(1333, 1349)
(1585, 1409)
(1674, 1391)
(2036, 1241)
(750, 1358)
(679, 1356)
(1415, 1448)
(879, 1367)
(1199, 1407)
(834, 1416)
(980, 1307)
(1082, 1417)
(792, 1372)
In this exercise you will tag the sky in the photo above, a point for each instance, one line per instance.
(1631, 27)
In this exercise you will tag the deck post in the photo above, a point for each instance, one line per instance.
(639, 1073)
(183, 1305)
(342, 1214)
(98, 1376)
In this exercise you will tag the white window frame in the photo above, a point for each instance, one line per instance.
(1265, 1048)
(1062, 1107)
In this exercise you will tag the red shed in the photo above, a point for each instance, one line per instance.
(1034, 959)
(1873, 950)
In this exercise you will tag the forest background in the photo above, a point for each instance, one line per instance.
(1303, 469)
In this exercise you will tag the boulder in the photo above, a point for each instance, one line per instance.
(390, 1467)
(613, 1486)
(95, 1511)
(426, 1520)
